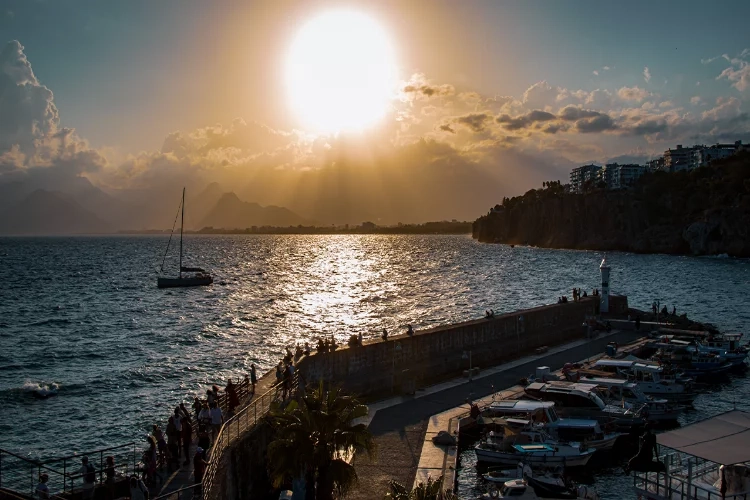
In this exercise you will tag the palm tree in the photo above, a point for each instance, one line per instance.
(432, 490)
(313, 438)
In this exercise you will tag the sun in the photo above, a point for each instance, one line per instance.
(340, 72)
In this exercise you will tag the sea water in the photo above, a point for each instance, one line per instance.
(83, 314)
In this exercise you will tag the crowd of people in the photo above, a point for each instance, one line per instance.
(577, 295)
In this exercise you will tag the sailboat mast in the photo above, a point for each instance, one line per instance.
(182, 225)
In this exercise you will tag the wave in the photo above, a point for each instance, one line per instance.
(51, 321)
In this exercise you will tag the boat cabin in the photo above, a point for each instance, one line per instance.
(612, 365)
(619, 388)
(513, 488)
(726, 341)
(536, 411)
(567, 394)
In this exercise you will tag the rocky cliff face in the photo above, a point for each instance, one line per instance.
(704, 212)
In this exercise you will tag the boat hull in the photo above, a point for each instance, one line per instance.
(545, 459)
(184, 282)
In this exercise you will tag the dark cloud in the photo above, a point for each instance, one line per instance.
(474, 121)
(599, 123)
(524, 121)
(430, 90)
(447, 128)
(572, 113)
(648, 127)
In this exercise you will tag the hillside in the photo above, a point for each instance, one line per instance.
(703, 212)
(48, 213)
(230, 213)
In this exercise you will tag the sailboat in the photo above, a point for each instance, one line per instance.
(194, 276)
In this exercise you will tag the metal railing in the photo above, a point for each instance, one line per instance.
(184, 493)
(22, 474)
(242, 421)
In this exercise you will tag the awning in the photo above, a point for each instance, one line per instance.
(723, 439)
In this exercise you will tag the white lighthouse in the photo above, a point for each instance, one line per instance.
(604, 304)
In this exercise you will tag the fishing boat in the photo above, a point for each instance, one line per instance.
(542, 414)
(615, 390)
(518, 442)
(580, 400)
(187, 276)
(530, 489)
(548, 484)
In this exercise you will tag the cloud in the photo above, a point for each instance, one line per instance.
(573, 113)
(474, 121)
(30, 131)
(646, 74)
(419, 86)
(695, 100)
(599, 123)
(738, 74)
(633, 94)
(447, 128)
(595, 72)
(524, 121)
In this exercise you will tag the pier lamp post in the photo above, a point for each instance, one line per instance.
(604, 299)
(467, 355)
(396, 348)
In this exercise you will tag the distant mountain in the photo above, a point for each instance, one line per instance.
(198, 207)
(231, 213)
(48, 212)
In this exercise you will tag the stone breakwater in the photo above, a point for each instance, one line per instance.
(404, 362)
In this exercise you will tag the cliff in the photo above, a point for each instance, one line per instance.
(703, 212)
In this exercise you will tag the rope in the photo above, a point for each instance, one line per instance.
(170, 238)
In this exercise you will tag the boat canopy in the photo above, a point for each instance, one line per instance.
(192, 270)
(723, 439)
(532, 448)
(687, 333)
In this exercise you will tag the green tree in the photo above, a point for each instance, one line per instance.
(313, 436)
(432, 490)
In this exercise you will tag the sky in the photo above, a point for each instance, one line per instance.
(489, 98)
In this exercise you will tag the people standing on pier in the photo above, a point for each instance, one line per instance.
(199, 468)
(204, 417)
(674, 310)
(217, 419)
(149, 460)
(173, 440)
(88, 472)
(42, 490)
(160, 442)
(385, 334)
(232, 399)
(184, 413)
(409, 330)
(307, 349)
(109, 472)
(254, 376)
(178, 420)
(638, 323)
(279, 373)
(187, 437)
(204, 441)
(197, 407)
(210, 398)
(138, 490)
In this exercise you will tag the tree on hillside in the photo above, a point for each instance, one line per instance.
(313, 436)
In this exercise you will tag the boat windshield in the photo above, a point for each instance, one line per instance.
(552, 414)
(597, 400)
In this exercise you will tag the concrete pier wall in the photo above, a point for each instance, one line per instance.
(379, 368)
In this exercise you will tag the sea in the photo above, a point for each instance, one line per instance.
(83, 315)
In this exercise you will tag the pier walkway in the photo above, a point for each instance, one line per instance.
(399, 425)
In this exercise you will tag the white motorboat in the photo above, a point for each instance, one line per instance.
(619, 391)
(580, 400)
(542, 414)
(519, 443)
(529, 489)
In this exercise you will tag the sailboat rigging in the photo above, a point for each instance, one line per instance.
(194, 276)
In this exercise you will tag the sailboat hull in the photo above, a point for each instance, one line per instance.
(185, 281)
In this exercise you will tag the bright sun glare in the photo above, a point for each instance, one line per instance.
(340, 72)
